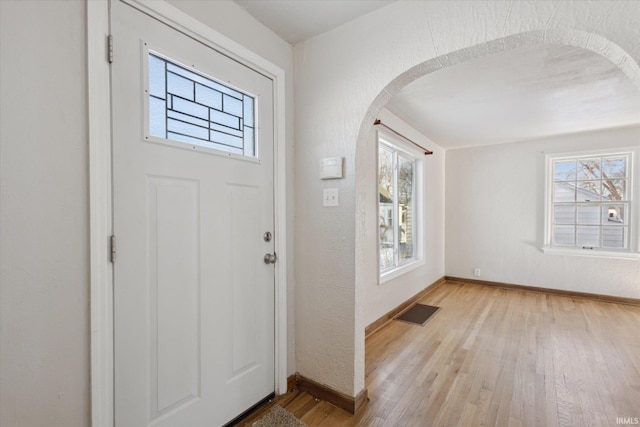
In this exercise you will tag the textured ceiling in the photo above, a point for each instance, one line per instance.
(299, 20)
(526, 93)
(518, 95)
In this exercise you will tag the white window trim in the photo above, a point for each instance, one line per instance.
(401, 270)
(591, 253)
(632, 252)
(418, 260)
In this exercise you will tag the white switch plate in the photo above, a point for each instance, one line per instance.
(331, 168)
(330, 197)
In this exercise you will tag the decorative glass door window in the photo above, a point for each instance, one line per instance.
(195, 109)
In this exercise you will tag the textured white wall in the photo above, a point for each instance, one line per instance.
(44, 278)
(343, 79)
(44, 266)
(383, 297)
(495, 217)
(228, 18)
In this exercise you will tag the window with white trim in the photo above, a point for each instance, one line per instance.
(589, 202)
(398, 205)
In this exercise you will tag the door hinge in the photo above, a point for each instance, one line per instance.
(112, 243)
(110, 48)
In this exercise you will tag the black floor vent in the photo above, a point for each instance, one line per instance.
(418, 314)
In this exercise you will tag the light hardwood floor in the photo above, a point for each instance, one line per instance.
(496, 357)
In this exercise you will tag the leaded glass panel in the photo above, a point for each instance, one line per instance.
(188, 107)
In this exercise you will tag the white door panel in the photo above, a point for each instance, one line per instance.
(193, 299)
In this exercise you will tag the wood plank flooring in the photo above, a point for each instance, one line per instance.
(496, 357)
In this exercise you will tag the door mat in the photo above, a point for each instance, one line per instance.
(418, 314)
(279, 417)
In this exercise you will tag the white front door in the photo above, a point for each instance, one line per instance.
(193, 199)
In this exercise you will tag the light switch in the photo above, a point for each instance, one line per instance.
(330, 197)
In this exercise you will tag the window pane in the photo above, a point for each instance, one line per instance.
(405, 209)
(225, 119)
(188, 119)
(614, 237)
(588, 236)
(386, 236)
(157, 117)
(248, 111)
(180, 86)
(175, 126)
(226, 129)
(564, 192)
(385, 188)
(209, 97)
(589, 169)
(614, 168)
(588, 215)
(564, 235)
(564, 214)
(588, 191)
(249, 142)
(190, 108)
(225, 139)
(564, 170)
(614, 215)
(614, 189)
(385, 175)
(156, 77)
(232, 105)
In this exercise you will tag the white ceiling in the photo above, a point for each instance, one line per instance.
(518, 95)
(299, 20)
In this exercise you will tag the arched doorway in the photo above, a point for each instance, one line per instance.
(366, 255)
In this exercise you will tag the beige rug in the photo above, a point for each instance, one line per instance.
(279, 417)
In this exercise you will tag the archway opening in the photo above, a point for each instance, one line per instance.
(563, 41)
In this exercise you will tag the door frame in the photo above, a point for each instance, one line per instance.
(101, 197)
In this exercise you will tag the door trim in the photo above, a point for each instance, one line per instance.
(100, 218)
(100, 194)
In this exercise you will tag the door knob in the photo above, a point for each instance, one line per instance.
(270, 258)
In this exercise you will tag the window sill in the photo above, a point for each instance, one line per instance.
(397, 272)
(591, 254)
